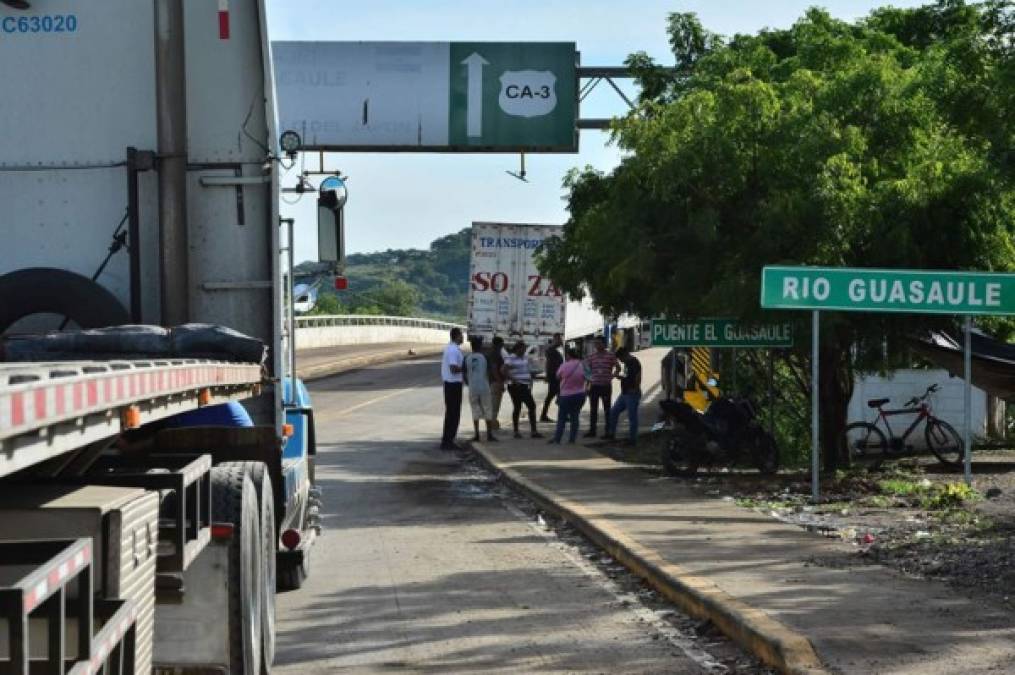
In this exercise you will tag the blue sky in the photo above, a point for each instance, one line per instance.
(406, 200)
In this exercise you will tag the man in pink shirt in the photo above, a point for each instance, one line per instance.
(602, 366)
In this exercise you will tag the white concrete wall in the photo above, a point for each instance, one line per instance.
(334, 336)
(947, 403)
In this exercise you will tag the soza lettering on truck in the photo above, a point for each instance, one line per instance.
(499, 282)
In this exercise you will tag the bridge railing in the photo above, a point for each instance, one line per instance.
(329, 320)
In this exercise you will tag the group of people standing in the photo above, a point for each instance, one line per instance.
(490, 371)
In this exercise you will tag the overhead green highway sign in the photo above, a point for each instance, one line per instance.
(720, 333)
(429, 96)
(876, 290)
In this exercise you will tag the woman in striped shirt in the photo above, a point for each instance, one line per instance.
(516, 371)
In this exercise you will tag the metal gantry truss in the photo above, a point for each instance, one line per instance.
(593, 76)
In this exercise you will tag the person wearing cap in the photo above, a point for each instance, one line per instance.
(629, 399)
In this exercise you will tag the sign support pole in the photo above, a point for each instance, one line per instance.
(815, 460)
(771, 393)
(733, 358)
(967, 426)
(673, 373)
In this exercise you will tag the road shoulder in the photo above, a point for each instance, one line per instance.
(755, 577)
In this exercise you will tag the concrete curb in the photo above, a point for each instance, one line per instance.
(344, 365)
(771, 641)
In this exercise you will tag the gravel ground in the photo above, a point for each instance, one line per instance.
(913, 515)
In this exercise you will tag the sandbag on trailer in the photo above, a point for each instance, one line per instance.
(192, 340)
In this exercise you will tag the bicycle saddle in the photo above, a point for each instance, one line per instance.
(877, 402)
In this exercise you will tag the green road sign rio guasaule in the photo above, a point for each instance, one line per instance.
(720, 333)
(876, 290)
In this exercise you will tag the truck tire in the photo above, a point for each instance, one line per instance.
(234, 501)
(259, 476)
(46, 290)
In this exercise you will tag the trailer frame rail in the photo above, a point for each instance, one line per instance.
(47, 409)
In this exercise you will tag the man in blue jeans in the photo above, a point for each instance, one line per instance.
(629, 399)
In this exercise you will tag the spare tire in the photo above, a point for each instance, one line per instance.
(47, 290)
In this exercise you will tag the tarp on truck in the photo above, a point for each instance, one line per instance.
(192, 341)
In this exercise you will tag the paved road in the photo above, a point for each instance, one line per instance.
(421, 569)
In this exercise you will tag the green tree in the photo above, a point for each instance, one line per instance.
(881, 143)
(327, 303)
(396, 298)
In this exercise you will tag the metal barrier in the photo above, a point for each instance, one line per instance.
(328, 320)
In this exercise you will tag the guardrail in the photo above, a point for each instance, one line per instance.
(330, 330)
(328, 320)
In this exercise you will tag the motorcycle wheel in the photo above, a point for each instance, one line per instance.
(680, 458)
(764, 453)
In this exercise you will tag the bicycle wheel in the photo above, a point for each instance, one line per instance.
(865, 443)
(944, 442)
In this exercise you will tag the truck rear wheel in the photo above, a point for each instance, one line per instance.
(234, 501)
(259, 476)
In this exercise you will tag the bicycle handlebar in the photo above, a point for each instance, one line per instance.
(916, 400)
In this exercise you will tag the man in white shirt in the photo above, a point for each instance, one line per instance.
(451, 374)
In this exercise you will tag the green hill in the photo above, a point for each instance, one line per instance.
(402, 282)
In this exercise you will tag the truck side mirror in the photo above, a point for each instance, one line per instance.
(330, 221)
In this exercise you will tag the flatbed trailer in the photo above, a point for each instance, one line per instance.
(49, 409)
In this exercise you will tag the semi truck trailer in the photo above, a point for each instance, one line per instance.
(508, 297)
(139, 174)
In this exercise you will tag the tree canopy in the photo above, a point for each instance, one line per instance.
(885, 142)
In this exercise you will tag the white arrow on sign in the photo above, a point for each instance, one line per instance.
(474, 101)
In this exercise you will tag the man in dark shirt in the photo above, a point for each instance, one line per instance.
(629, 399)
(553, 360)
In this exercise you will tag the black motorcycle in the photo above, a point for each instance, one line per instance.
(727, 433)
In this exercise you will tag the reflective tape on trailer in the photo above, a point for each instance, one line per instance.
(56, 577)
(49, 399)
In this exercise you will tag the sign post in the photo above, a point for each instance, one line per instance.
(887, 290)
(967, 426)
(815, 443)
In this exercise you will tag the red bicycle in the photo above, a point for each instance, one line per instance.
(868, 444)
